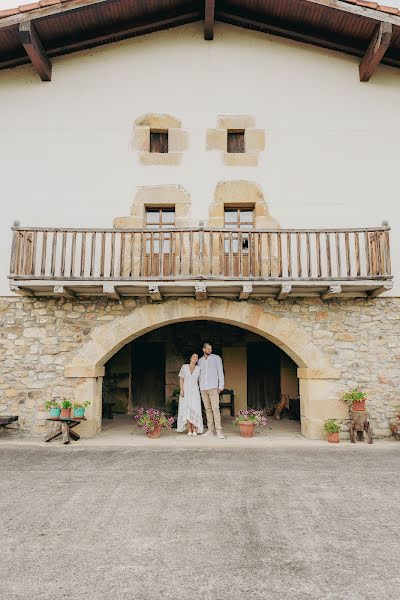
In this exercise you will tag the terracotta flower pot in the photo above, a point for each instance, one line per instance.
(358, 406)
(246, 429)
(155, 433)
(65, 413)
(333, 438)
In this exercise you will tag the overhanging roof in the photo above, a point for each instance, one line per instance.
(38, 31)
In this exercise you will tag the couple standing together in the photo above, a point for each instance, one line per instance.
(207, 373)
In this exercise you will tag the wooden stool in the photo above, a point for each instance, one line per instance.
(358, 424)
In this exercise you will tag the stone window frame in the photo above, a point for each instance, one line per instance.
(254, 140)
(177, 139)
(240, 193)
(157, 196)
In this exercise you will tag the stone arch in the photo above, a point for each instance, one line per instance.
(315, 372)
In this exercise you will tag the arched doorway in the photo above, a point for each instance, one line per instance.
(145, 371)
(317, 378)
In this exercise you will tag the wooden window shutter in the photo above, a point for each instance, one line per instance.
(235, 141)
(159, 141)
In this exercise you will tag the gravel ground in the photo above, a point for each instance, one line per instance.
(138, 524)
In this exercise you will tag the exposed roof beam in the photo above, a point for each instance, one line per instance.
(376, 49)
(63, 292)
(200, 291)
(111, 291)
(245, 292)
(34, 49)
(284, 292)
(21, 291)
(380, 290)
(155, 294)
(361, 11)
(209, 18)
(332, 292)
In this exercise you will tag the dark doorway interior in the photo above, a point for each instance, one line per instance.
(148, 364)
(263, 375)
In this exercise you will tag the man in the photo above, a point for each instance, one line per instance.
(211, 384)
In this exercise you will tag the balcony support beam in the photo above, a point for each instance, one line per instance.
(111, 292)
(379, 44)
(34, 49)
(245, 292)
(284, 292)
(21, 291)
(63, 292)
(201, 291)
(332, 292)
(209, 19)
(380, 290)
(154, 293)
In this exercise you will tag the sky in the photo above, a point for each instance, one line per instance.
(13, 3)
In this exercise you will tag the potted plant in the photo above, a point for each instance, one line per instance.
(355, 399)
(66, 409)
(153, 421)
(79, 409)
(54, 408)
(248, 419)
(332, 429)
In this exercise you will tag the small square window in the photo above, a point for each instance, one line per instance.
(158, 141)
(235, 141)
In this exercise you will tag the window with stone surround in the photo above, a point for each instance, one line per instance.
(242, 218)
(159, 218)
(158, 141)
(235, 141)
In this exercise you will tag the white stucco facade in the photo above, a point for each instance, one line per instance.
(332, 143)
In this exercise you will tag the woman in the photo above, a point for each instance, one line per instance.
(189, 413)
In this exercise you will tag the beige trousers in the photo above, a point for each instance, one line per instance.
(211, 404)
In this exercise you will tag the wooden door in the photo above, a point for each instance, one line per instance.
(148, 374)
(263, 375)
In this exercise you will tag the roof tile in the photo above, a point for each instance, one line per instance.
(367, 4)
(8, 12)
(28, 7)
(48, 2)
(389, 9)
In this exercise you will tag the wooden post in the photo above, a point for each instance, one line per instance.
(34, 49)
(379, 44)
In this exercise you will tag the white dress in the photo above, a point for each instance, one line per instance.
(190, 405)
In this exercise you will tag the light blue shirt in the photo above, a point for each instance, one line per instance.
(211, 373)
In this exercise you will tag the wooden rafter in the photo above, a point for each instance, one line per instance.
(209, 18)
(376, 50)
(34, 49)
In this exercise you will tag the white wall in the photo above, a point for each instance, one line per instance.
(66, 154)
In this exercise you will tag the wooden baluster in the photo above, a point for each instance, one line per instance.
(259, 255)
(378, 253)
(299, 261)
(201, 253)
(152, 242)
(161, 255)
(53, 254)
(13, 270)
(338, 256)
(308, 251)
(240, 254)
(102, 254)
(132, 241)
(92, 253)
(269, 254)
(280, 265)
(318, 249)
(367, 254)
(83, 254)
(63, 252)
(328, 253)
(73, 252)
(142, 257)
(230, 269)
(112, 257)
(18, 253)
(289, 252)
(348, 264)
(357, 251)
(388, 268)
(221, 242)
(122, 254)
(211, 250)
(172, 241)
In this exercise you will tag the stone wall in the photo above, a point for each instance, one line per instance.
(38, 337)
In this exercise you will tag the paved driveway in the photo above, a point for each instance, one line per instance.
(119, 524)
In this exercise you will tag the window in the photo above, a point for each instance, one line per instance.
(159, 218)
(238, 218)
(158, 141)
(235, 141)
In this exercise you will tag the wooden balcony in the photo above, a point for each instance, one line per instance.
(200, 262)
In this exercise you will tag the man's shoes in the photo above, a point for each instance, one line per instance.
(189, 433)
(220, 435)
(208, 433)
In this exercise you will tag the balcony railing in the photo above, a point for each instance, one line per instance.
(273, 256)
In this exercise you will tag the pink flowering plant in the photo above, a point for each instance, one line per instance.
(251, 416)
(151, 418)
